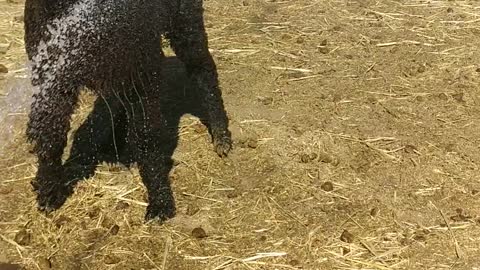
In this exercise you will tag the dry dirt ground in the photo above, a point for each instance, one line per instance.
(356, 127)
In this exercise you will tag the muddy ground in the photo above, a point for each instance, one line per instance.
(356, 128)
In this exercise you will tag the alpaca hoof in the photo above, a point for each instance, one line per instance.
(51, 202)
(160, 211)
(223, 145)
(51, 198)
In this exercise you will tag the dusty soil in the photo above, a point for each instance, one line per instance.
(356, 147)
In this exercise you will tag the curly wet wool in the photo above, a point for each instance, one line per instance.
(113, 48)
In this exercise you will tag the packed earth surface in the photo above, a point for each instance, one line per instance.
(356, 127)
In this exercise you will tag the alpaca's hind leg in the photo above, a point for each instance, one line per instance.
(154, 146)
(49, 122)
(100, 138)
(151, 140)
(189, 41)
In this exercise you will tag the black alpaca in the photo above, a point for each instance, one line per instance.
(113, 48)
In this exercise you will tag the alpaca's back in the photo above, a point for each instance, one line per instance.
(91, 39)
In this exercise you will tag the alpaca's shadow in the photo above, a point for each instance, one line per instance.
(93, 141)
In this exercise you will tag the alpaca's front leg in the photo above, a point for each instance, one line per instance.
(49, 122)
(190, 43)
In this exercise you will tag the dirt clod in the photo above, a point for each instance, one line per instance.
(294, 262)
(10, 266)
(199, 233)
(192, 209)
(111, 259)
(323, 49)
(461, 215)
(62, 220)
(107, 222)
(410, 149)
(308, 157)
(23, 237)
(374, 211)
(3, 68)
(459, 97)
(114, 229)
(327, 186)
(252, 143)
(347, 237)
(325, 157)
(121, 205)
(44, 263)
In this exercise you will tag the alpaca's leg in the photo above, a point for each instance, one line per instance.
(154, 145)
(189, 41)
(47, 128)
(100, 138)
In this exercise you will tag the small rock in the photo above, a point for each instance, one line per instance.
(23, 237)
(324, 42)
(327, 186)
(199, 233)
(475, 192)
(111, 259)
(246, 3)
(3, 68)
(347, 237)
(300, 40)
(43, 263)
(345, 250)
(449, 10)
